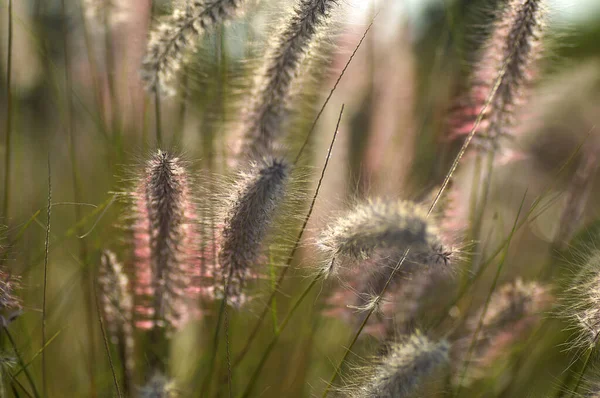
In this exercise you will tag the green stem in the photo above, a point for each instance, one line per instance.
(7, 142)
(275, 337)
(488, 299)
(21, 363)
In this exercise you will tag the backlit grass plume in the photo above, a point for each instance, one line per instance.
(165, 240)
(177, 35)
(117, 305)
(258, 193)
(508, 62)
(386, 229)
(263, 124)
(405, 367)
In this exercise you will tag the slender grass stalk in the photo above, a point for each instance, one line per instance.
(157, 120)
(44, 308)
(284, 322)
(275, 337)
(583, 369)
(489, 297)
(7, 142)
(336, 372)
(529, 218)
(106, 346)
(83, 252)
(21, 363)
(335, 85)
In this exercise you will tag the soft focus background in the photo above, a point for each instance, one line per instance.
(79, 112)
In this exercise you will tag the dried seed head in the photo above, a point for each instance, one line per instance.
(252, 207)
(508, 58)
(511, 313)
(176, 35)
(117, 305)
(165, 239)
(263, 124)
(401, 372)
(385, 229)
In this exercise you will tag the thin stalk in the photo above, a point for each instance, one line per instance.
(275, 337)
(529, 218)
(584, 368)
(363, 324)
(7, 142)
(290, 258)
(107, 347)
(77, 196)
(314, 125)
(46, 255)
(21, 363)
(157, 120)
(205, 390)
(489, 297)
(109, 56)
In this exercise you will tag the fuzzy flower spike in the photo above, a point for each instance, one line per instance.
(175, 36)
(266, 114)
(164, 238)
(384, 230)
(252, 207)
(508, 62)
(402, 371)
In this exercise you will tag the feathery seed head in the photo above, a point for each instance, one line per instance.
(165, 240)
(400, 373)
(384, 229)
(510, 55)
(176, 35)
(251, 210)
(263, 124)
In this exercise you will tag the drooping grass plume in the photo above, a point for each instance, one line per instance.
(164, 243)
(117, 306)
(386, 229)
(258, 193)
(265, 116)
(505, 68)
(177, 35)
(405, 367)
(512, 312)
